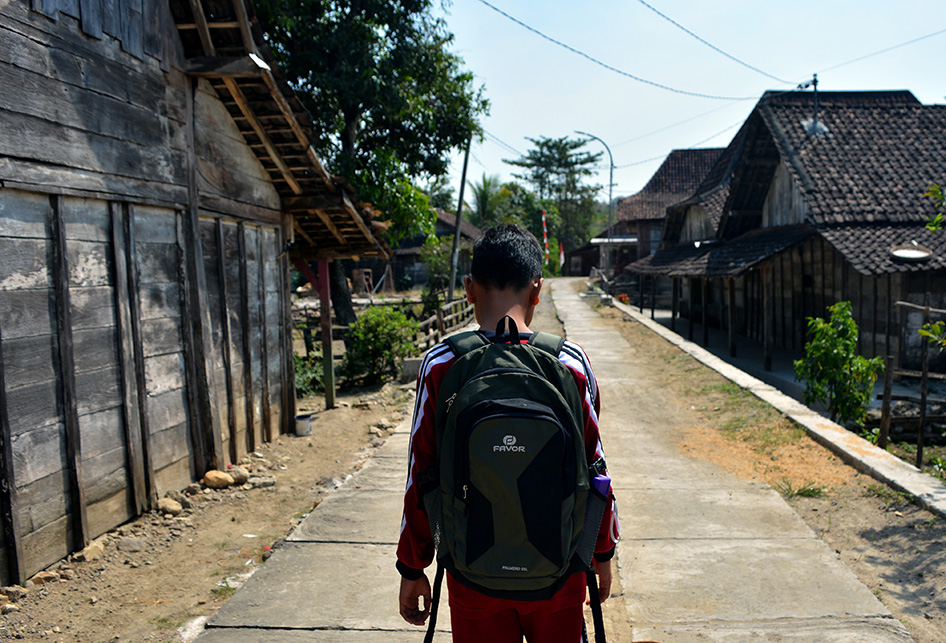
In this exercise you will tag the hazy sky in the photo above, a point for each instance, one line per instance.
(537, 88)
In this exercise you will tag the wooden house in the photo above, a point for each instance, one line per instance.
(155, 172)
(639, 219)
(818, 199)
(642, 215)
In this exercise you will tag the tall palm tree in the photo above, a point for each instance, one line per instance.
(487, 196)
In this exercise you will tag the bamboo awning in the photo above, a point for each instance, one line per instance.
(223, 43)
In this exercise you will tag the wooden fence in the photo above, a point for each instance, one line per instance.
(448, 317)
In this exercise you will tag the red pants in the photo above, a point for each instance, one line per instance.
(477, 618)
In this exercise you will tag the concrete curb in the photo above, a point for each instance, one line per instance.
(929, 492)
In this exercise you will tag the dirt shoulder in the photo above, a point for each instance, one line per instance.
(160, 573)
(895, 548)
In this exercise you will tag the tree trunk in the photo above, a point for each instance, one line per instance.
(341, 296)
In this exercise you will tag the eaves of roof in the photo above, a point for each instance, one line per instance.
(223, 43)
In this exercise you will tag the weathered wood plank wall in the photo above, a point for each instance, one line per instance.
(116, 302)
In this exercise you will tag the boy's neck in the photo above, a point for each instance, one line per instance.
(492, 305)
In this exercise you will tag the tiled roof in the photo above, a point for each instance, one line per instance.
(867, 247)
(724, 259)
(874, 159)
(467, 229)
(676, 179)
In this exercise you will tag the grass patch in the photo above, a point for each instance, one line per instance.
(167, 624)
(223, 592)
(887, 495)
(807, 490)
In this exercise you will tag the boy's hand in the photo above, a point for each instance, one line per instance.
(603, 569)
(411, 591)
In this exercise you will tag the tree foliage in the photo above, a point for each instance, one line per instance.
(556, 170)
(833, 372)
(937, 221)
(388, 99)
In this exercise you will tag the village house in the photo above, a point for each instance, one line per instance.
(819, 198)
(156, 179)
(639, 219)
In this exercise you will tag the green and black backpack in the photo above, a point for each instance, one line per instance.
(508, 501)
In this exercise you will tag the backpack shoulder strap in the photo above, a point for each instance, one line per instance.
(548, 342)
(463, 343)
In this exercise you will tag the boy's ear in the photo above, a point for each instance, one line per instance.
(470, 292)
(536, 289)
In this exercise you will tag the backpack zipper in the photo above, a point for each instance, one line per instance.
(449, 403)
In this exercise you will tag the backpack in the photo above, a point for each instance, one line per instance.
(509, 502)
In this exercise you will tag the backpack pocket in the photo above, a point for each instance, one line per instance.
(515, 486)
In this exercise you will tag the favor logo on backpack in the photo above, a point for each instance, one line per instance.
(508, 503)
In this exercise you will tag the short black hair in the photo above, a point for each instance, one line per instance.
(506, 255)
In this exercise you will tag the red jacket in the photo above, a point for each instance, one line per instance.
(415, 549)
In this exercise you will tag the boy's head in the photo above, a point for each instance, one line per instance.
(506, 256)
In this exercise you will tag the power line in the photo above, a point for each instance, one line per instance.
(609, 67)
(498, 141)
(714, 47)
(671, 126)
(883, 51)
(694, 145)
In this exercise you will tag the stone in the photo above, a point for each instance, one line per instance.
(258, 482)
(180, 499)
(169, 506)
(68, 574)
(7, 609)
(43, 578)
(217, 479)
(239, 474)
(130, 544)
(14, 592)
(192, 489)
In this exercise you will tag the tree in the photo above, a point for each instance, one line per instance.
(487, 198)
(388, 98)
(556, 170)
(389, 101)
(935, 333)
(833, 372)
(440, 194)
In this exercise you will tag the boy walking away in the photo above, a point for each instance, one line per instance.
(507, 482)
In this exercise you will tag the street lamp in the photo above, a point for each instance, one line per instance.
(607, 263)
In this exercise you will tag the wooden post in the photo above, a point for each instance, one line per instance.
(704, 310)
(126, 350)
(640, 291)
(9, 506)
(249, 401)
(134, 306)
(767, 332)
(653, 295)
(264, 338)
(67, 377)
(924, 380)
(731, 296)
(328, 366)
(674, 302)
(692, 312)
(885, 405)
(288, 384)
(195, 317)
(226, 339)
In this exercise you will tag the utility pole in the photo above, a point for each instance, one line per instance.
(607, 263)
(455, 254)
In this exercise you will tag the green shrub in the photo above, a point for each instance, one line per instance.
(377, 341)
(309, 375)
(833, 372)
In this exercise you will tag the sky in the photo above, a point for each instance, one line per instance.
(537, 88)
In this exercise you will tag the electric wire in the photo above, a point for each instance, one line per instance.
(610, 67)
(714, 47)
(883, 51)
